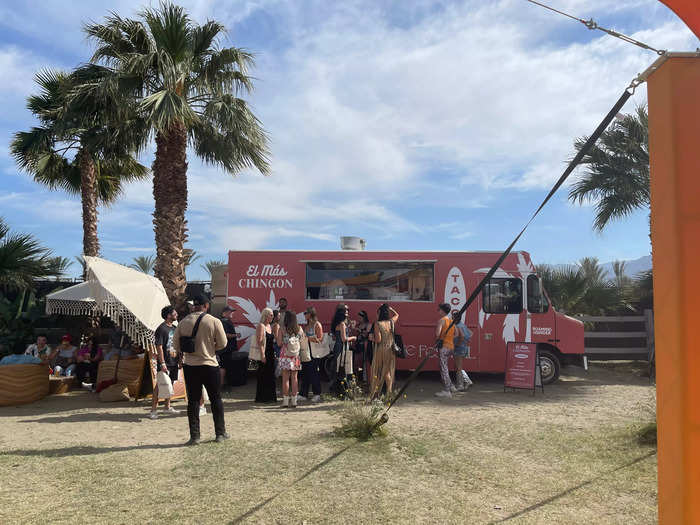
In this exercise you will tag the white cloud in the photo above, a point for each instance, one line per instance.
(371, 110)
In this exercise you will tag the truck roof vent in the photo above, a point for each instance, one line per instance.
(352, 243)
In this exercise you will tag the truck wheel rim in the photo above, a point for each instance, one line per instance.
(547, 368)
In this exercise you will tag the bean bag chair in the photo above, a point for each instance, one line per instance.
(22, 384)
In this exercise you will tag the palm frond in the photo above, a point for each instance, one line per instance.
(617, 174)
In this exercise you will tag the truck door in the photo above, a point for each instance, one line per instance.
(540, 318)
(500, 320)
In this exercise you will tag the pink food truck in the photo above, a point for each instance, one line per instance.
(513, 305)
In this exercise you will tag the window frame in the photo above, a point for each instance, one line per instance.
(543, 295)
(428, 262)
(486, 288)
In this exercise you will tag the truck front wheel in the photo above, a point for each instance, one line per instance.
(550, 365)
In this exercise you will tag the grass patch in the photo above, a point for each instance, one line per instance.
(646, 435)
(361, 420)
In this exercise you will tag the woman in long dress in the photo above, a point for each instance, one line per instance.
(384, 362)
(264, 340)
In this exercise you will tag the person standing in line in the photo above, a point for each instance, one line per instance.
(201, 367)
(311, 371)
(282, 309)
(164, 359)
(447, 337)
(461, 344)
(262, 350)
(364, 345)
(384, 362)
(289, 339)
(341, 348)
(225, 356)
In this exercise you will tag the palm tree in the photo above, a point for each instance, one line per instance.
(189, 256)
(212, 265)
(617, 175)
(592, 270)
(187, 89)
(23, 259)
(143, 263)
(101, 162)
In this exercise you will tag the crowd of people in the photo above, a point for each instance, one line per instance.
(356, 351)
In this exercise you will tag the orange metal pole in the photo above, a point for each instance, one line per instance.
(674, 147)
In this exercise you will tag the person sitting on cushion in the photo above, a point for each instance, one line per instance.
(40, 349)
(65, 360)
(18, 357)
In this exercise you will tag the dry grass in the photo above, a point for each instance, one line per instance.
(570, 456)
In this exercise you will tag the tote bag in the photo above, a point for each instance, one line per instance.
(165, 385)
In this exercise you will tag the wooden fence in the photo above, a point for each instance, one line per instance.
(619, 337)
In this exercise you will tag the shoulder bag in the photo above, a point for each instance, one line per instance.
(255, 353)
(187, 345)
(397, 346)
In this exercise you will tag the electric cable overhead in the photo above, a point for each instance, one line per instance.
(591, 24)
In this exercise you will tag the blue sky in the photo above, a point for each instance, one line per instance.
(419, 125)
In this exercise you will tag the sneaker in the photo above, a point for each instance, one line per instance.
(86, 386)
(153, 415)
(192, 442)
(443, 393)
(171, 410)
(202, 411)
(221, 437)
(301, 398)
(453, 389)
(316, 399)
(461, 388)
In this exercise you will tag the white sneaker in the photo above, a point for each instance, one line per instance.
(301, 398)
(453, 389)
(153, 415)
(443, 393)
(202, 411)
(316, 399)
(171, 410)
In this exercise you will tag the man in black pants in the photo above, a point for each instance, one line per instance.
(225, 356)
(201, 367)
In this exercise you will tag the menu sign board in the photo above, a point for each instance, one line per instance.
(521, 361)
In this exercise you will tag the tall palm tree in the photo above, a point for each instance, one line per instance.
(101, 162)
(617, 174)
(143, 263)
(23, 259)
(188, 89)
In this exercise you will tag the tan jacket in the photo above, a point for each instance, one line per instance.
(210, 338)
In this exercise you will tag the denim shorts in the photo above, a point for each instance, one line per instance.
(461, 351)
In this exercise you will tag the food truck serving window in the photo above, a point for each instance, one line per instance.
(503, 296)
(370, 281)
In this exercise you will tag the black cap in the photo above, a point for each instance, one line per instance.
(228, 308)
(200, 300)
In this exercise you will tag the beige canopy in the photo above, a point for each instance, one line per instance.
(130, 298)
(75, 300)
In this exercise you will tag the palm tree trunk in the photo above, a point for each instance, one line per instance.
(88, 197)
(170, 194)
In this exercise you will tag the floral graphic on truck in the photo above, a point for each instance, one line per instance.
(252, 314)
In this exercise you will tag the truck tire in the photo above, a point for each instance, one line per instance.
(550, 365)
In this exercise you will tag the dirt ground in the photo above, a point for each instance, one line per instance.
(566, 456)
